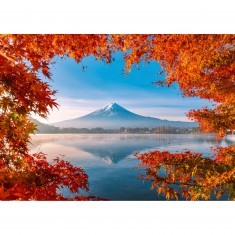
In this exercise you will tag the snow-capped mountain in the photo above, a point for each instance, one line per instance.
(113, 116)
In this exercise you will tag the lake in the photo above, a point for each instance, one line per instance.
(109, 162)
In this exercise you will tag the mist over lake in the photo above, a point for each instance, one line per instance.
(109, 162)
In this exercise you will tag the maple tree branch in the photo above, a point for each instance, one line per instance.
(7, 57)
(176, 183)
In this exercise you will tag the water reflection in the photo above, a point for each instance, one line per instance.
(115, 147)
(109, 162)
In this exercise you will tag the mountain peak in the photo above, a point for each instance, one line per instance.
(111, 109)
(111, 106)
(112, 116)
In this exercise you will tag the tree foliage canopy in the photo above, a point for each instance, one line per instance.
(202, 65)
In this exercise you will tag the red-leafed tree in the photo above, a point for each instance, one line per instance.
(22, 92)
(203, 66)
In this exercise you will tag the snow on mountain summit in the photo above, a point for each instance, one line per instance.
(112, 106)
(109, 106)
(111, 109)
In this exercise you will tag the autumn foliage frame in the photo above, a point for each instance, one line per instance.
(202, 65)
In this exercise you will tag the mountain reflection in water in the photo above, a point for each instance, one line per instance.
(109, 162)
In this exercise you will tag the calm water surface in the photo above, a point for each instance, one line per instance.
(109, 162)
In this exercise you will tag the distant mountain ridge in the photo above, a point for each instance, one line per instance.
(114, 116)
(44, 128)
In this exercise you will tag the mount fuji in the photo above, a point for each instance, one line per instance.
(113, 116)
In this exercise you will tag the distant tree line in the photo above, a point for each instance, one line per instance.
(160, 130)
(46, 129)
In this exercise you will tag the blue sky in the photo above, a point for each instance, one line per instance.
(83, 91)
